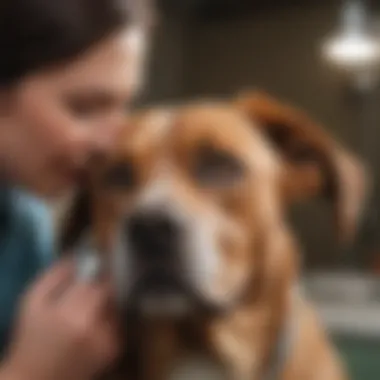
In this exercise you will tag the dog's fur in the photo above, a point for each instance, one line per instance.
(239, 252)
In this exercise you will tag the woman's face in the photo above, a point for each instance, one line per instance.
(54, 121)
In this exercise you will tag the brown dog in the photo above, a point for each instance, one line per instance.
(190, 212)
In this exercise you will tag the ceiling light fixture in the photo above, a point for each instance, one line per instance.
(355, 49)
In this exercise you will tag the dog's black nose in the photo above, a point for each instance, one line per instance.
(153, 235)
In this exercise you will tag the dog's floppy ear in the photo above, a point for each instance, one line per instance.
(316, 165)
(76, 220)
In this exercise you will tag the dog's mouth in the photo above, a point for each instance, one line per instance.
(166, 294)
(161, 293)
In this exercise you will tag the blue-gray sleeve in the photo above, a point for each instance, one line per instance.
(45, 247)
(32, 237)
(39, 222)
(26, 249)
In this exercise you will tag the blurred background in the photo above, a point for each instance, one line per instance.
(323, 56)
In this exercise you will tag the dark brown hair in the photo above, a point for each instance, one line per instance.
(35, 34)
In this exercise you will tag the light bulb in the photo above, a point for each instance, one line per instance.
(352, 51)
(353, 47)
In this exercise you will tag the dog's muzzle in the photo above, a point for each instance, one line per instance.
(155, 248)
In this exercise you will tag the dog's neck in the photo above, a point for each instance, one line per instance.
(246, 345)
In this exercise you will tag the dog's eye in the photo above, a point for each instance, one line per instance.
(217, 168)
(120, 176)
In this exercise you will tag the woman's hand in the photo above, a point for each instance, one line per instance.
(65, 330)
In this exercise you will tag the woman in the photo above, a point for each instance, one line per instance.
(67, 72)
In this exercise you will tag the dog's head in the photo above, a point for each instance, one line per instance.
(193, 200)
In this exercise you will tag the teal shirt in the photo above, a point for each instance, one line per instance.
(26, 249)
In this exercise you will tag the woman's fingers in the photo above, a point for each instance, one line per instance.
(53, 282)
(94, 295)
